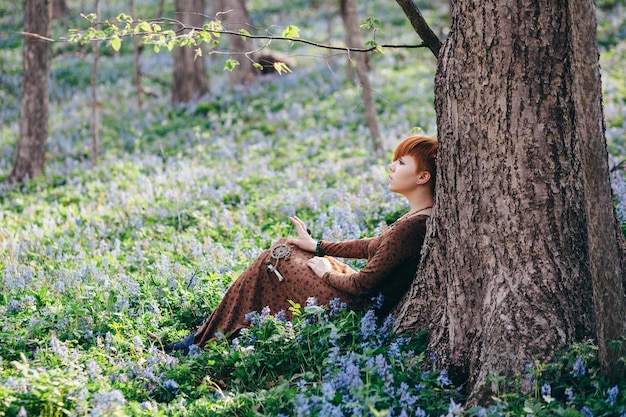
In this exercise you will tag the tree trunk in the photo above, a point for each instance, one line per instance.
(137, 61)
(95, 126)
(507, 270)
(349, 13)
(60, 9)
(606, 253)
(31, 147)
(235, 17)
(190, 78)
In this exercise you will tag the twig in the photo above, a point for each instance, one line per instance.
(184, 28)
(421, 27)
(37, 36)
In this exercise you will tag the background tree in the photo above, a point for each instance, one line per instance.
(190, 77)
(137, 60)
(358, 62)
(515, 240)
(31, 146)
(95, 125)
(60, 9)
(235, 17)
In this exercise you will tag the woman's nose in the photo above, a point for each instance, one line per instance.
(392, 166)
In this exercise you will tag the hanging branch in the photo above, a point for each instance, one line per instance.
(431, 41)
(152, 33)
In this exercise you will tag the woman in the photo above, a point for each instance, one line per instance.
(296, 269)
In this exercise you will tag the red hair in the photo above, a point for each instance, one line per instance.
(423, 149)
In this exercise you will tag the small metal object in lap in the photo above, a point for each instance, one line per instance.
(273, 269)
(278, 252)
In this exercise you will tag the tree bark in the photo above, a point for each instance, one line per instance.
(31, 147)
(190, 78)
(606, 242)
(349, 13)
(60, 9)
(95, 126)
(236, 17)
(137, 61)
(421, 27)
(513, 244)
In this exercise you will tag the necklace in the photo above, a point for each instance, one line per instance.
(410, 213)
(418, 211)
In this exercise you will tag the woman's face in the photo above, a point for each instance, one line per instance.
(404, 176)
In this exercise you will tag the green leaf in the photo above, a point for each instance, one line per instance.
(281, 67)
(91, 17)
(257, 66)
(123, 17)
(145, 26)
(244, 34)
(115, 42)
(198, 53)
(291, 32)
(371, 23)
(205, 36)
(295, 308)
(230, 64)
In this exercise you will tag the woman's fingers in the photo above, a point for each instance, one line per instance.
(300, 226)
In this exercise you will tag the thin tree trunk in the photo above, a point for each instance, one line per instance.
(606, 252)
(353, 40)
(94, 97)
(235, 18)
(161, 9)
(31, 147)
(190, 78)
(506, 276)
(136, 55)
(60, 9)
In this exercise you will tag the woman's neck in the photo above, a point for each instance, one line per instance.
(420, 201)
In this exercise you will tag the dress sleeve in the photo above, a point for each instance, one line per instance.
(400, 244)
(354, 249)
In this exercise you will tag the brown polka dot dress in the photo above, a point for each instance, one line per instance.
(392, 260)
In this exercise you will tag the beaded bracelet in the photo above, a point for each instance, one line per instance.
(318, 251)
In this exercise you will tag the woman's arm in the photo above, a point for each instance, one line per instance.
(398, 247)
(356, 249)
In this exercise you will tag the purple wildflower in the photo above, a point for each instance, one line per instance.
(454, 409)
(336, 306)
(264, 314)
(579, 368)
(613, 391)
(443, 379)
(252, 318)
(170, 385)
(405, 398)
(569, 395)
(378, 301)
(586, 412)
(280, 316)
(368, 324)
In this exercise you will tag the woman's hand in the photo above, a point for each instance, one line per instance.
(304, 241)
(319, 265)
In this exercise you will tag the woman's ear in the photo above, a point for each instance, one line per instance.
(423, 177)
